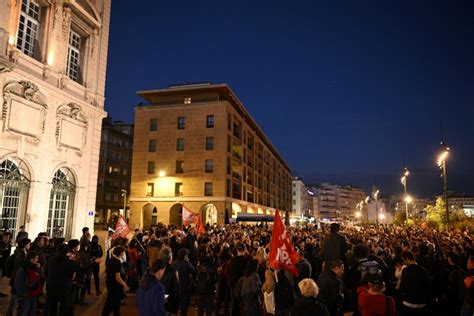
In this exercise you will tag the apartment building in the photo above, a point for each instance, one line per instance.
(197, 146)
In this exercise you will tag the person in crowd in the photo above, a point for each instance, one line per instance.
(335, 246)
(28, 285)
(132, 275)
(237, 268)
(86, 236)
(330, 293)
(205, 284)
(83, 278)
(114, 283)
(151, 292)
(170, 281)
(251, 289)
(154, 247)
(5, 252)
(415, 287)
(108, 244)
(61, 270)
(22, 234)
(18, 260)
(284, 293)
(373, 301)
(268, 289)
(304, 268)
(223, 287)
(307, 304)
(186, 273)
(95, 253)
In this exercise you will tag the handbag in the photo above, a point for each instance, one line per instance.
(269, 302)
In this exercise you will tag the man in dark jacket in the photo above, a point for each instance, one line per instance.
(59, 282)
(335, 246)
(238, 264)
(415, 287)
(170, 281)
(20, 259)
(5, 251)
(186, 271)
(151, 292)
(330, 287)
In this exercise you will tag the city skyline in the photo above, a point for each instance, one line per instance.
(365, 83)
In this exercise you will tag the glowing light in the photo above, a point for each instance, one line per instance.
(161, 174)
(382, 216)
(50, 59)
(358, 214)
(442, 157)
(408, 199)
(11, 40)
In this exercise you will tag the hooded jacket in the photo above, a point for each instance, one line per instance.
(151, 297)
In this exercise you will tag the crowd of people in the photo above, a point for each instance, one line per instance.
(371, 270)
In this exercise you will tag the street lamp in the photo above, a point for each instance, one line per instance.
(403, 180)
(161, 174)
(367, 203)
(376, 194)
(124, 194)
(442, 165)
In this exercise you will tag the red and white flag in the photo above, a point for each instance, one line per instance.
(121, 229)
(189, 217)
(282, 254)
(200, 229)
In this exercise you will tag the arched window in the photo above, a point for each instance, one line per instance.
(61, 204)
(14, 188)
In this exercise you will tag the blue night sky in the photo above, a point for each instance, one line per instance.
(341, 88)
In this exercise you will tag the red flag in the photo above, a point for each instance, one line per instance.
(121, 229)
(200, 229)
(282, 254)
(189, 217)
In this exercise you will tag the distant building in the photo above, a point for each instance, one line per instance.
(332, 201)
(466, 202)
(416, 207)
(302, 200)
(197, 146)
(115, 164)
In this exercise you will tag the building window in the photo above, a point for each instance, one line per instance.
(210, 121)
(180, 144)
(209, 143)
(228, 187)
(229, 122)
(209, 165)
(151, 167)
(150, 189)
(181, 122)
(152, 146)
(153, 125)
(178, 188)
(179, 166)
(108, 196)
(208, 188)
(124, 171)
(187, 100)
(74, 56)
(28, 31)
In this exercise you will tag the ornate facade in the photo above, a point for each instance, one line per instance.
(53, 57)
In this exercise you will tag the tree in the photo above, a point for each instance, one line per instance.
(437, 214)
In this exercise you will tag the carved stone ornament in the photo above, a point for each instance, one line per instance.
(24, 117)
(71, 127)
(13, 55)
(46, 72)
(67, 16)
(64, 82)
(57, 6)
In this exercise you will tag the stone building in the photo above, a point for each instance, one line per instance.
(197, 146)
(115, 168)
(53, 57)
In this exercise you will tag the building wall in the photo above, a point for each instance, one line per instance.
(247, 175)
(48, 120)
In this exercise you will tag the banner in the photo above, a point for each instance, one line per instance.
(282, 254)
(189, 217)
(200, 229)
(121, 229)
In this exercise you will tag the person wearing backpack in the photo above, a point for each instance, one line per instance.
(237, 268)
(251, 289)
(284, 293)
(205, 285)
(373, 301)
(307, 304)
(15, 262)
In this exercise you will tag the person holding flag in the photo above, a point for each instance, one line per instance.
(283, 257)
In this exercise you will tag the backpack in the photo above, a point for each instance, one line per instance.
(238, 288)
(203, 281)
(9, 266)
(368, 267)
(284, 295)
